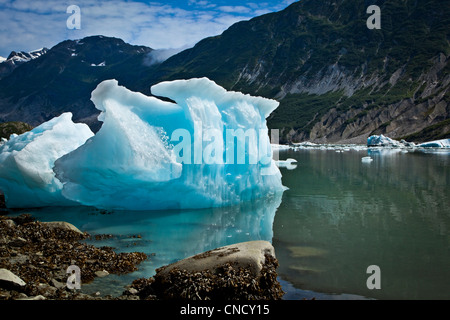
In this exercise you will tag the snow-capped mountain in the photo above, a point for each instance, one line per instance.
(62, 79)
(21, 57)
(7, 65)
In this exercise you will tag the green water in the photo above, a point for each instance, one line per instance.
(342, 215)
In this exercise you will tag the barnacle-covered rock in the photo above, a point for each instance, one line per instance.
(243, 271)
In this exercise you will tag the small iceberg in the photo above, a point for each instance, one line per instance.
(281, 147)
(383, 141)
(444, 143)
(366, 159)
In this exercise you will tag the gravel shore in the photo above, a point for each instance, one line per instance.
(39, 254)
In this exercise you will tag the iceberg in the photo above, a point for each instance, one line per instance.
(26, 162)
(382, 141)
(367, 159)
(210, 148)
(444, 143)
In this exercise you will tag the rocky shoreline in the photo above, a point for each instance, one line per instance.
(35, 257)
(39, 254)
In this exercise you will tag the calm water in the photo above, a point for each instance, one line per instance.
(341, 216)
(338, 217)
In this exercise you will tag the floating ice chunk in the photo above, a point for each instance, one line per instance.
(306, 144)
(135, 161)
(281, 147)
(335, 147)
(366, 159)
(444, 143)
(382, 141)
(26, 162)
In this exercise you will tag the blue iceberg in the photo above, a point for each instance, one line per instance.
(208, 148)
(26, 162)
(383, 141)
(444, 143)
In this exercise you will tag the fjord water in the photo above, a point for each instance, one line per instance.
(342, 215)
(339, 216)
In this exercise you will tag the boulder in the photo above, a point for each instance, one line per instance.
(63, 225)
(9, 223)
(9, 280)
(102, 273)
(251, 255)
(242, 271)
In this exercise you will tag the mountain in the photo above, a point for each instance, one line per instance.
(62, 80)
(15, 59)
(336, 80)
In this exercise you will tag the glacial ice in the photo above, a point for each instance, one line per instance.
(444, 143)
(26, 162)
(382, 141)
(143, 157)
(367, 159)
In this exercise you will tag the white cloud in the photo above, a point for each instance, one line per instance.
(27, 25)
(201, 3)
(235, 9)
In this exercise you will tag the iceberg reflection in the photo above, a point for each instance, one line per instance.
(167, 236)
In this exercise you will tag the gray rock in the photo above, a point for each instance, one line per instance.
(46, 290)
(9, 279)
(57, 284)
(102, 273)
(18, 258)
(22, 296)
(63, 225)
(132, 291)
(249, 255)
(9, 223)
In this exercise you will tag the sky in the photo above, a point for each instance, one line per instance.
(28, 25)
